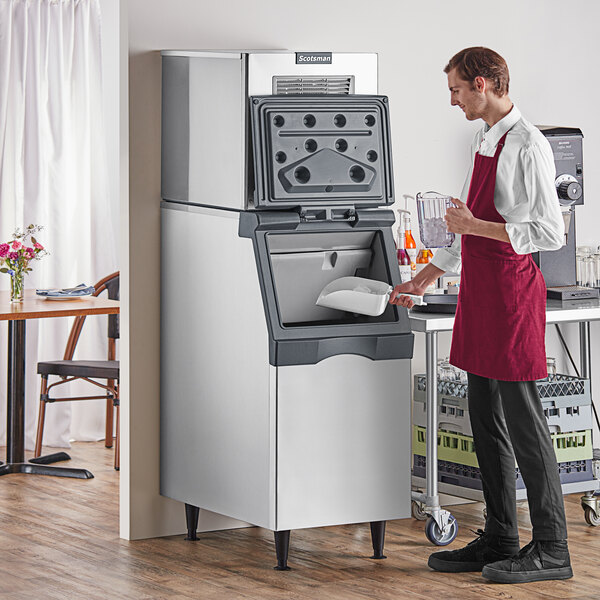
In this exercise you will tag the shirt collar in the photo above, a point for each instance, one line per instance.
(492, 135)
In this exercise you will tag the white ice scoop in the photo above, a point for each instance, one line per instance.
(359, 295)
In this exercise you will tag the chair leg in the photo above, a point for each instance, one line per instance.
(41, 418)
(117, 441)
(110, 407)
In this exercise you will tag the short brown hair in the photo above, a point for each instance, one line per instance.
(481, 62)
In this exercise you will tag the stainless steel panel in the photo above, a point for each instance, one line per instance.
(217, 400)
(343, 442)
(556, 312)
(175, 129)
(263, 67)
(204, 158)
(310, 85)
(217, 173)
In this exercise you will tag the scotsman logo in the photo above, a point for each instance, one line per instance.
(313, 57)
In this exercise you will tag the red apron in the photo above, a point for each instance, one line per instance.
(500, 325)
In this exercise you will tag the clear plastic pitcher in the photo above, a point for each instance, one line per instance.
(431, 209)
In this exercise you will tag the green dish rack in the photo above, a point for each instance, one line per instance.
(458, 448)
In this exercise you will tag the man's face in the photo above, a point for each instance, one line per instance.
(471, 101)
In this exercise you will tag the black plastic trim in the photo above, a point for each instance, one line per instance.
(552, 130)
(198, 205)
(311, 352)
(264, 176)
(311, 344)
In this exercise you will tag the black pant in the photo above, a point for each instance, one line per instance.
(507, 416)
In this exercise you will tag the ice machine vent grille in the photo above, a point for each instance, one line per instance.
(310, 86)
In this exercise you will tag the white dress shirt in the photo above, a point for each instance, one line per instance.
(525, 194)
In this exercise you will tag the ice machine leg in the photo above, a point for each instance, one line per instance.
(378, 537)
(282, 545)
(191, 518)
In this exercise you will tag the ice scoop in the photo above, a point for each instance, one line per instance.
(359, 295)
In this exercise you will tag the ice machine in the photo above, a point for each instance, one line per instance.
(276, 175)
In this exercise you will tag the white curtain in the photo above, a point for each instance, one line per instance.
(52, 173)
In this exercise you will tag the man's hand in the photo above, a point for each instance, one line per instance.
(459, 219)
(409, 287)
(416, 286)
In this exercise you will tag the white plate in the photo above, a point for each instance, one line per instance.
(64, 297)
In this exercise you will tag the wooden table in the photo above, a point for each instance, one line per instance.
(35, 307)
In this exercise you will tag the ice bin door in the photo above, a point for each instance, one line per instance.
(302, 265)
(296, 260)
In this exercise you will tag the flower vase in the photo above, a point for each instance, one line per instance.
(17, 287)
(16, 256)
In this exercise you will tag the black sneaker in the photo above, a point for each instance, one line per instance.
(538, 561)
(475, 555)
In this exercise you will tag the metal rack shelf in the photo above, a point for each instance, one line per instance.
(441, 527)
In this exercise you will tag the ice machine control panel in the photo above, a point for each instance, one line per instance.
(321, 151)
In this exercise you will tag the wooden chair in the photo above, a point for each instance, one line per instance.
(88, 370)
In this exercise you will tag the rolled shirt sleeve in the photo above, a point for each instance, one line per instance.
(448, 259)
(544, 228)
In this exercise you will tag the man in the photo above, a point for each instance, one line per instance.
(509, 209)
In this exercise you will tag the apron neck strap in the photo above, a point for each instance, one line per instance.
(500, 145)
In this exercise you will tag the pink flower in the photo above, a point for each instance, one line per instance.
(4, 248)
(38, 246)
(13, 255)
(30, 251)
(16, 245)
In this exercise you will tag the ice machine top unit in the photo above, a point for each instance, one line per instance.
(207, 155)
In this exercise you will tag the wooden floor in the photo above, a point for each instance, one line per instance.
(59, 540)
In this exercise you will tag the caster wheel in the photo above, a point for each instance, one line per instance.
(438, 537)
(417, 511)
(590, 517)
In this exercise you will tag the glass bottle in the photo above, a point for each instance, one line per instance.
(404, 266)
(403, 258)
(422, 259)
(410, 245)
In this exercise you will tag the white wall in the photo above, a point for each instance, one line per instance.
(109, 10)
(115, 115)
(551, 47)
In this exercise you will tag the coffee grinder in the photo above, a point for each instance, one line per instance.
(559, 266)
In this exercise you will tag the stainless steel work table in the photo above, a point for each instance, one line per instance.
(576, 311)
